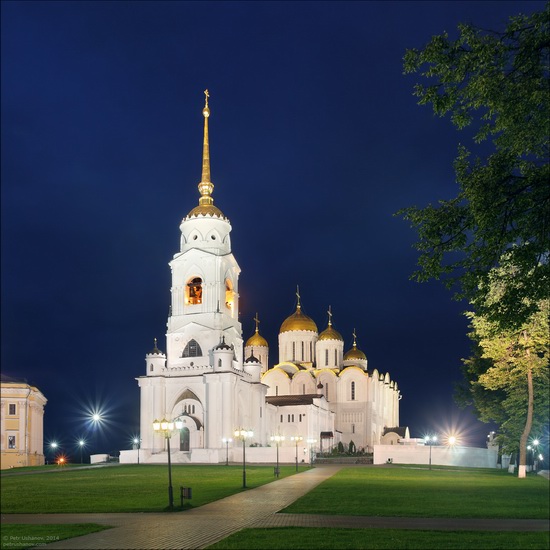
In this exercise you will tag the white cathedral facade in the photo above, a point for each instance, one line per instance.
(210, 385)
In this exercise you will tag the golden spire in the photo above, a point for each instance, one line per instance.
(329, 316)
(206, 186)
(257, 320)
(298, 296)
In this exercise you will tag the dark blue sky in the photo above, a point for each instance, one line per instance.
(316, 141)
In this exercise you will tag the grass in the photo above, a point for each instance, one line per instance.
(303, 538)
(388, 491)
(27, 536)
(125, 488)
(415, 492)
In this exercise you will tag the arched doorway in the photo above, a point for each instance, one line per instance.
(184, 439)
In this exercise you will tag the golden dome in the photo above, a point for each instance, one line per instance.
(206, 210)
(330, 334)
(256, 340)
(354, 353)
(298, 321)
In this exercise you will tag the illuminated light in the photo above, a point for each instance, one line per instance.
(156, 425)
(164, 424)
(452, 440)
(536, 442)
(179, 424)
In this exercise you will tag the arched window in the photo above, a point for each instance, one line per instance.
(229, 295)
(303, 356)
(192, 349)
(326, 358)
(194, 291)
(353, 391)
(335, 357)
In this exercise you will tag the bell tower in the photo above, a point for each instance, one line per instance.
(205, 279)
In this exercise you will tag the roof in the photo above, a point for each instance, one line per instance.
(287, 400)
(399, 430)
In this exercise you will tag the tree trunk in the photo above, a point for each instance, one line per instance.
(527, 428)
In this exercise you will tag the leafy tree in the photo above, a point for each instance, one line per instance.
(508, 373)
(497, 83)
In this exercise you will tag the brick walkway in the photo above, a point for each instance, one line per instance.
(200, 527)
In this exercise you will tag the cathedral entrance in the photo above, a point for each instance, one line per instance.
(184, 439)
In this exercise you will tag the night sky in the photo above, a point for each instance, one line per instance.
(316, 140)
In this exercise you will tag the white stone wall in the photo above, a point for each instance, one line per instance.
(472, 457)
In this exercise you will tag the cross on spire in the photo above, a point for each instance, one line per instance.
(329, 316)
(354, 338)
(257, 320)
(206, 96)
(298, 295)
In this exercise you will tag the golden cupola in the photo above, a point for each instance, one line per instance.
(354, 353)
(206, 187)
(330, 333)
(256, 340)
(298, 321)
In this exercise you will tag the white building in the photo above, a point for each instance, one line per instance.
(21, 424)
(212, 386)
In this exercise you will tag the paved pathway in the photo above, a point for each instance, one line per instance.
(200, 527)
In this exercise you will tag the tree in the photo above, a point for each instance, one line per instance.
(497, 83)
(508, 375)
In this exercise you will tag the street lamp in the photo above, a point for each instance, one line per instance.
(166, 428)
(277, 438)
(311, 443)
(296, 439)
(53, 446)
(534, 450)
(137, 444)
(81, 443)
(227, 441)
(243, 435)
(431, 441)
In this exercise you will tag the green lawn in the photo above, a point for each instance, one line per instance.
(301, 538)
(26, 536)
(125, 488)
(415, 492)
(389, 491)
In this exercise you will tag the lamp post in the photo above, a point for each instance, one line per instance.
(431, 441)
(277, 438)
(243, 435)
(534, 450)
(53, 446)
(81, 443)
(296, 439)
(311, 442)
(137, 444)
(166, 428)
(227, 441)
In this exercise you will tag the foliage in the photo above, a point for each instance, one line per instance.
(498, 372)
(497, 83)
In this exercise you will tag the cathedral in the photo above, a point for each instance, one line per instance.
(210, 388)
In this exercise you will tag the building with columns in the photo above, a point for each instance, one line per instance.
(22, 424)
(211, 385)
